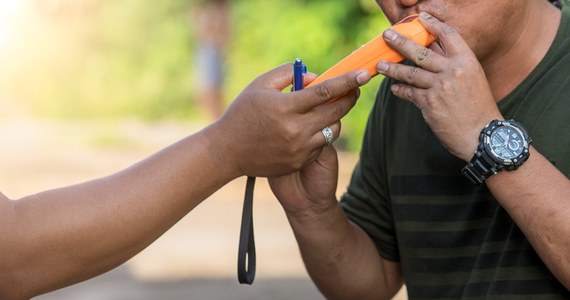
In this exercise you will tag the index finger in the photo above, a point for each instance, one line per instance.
(331, 89)
(449, 39)
(423, 57)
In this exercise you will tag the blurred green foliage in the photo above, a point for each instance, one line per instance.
(132, 58)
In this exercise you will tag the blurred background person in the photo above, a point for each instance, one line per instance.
(210, 20)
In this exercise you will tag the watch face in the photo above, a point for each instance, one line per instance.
(507, 142)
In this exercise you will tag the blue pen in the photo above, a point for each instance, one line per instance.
(298, 70)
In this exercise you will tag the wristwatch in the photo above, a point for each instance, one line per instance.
(503, 145)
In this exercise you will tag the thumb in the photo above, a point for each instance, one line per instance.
(279, 78)
(328, 158)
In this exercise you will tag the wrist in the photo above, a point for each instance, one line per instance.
(470, 148)
(472, 141)
(322, 231)
(316, 217)
(223, 154)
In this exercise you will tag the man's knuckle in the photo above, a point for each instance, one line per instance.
(409, 93)
(413, 73)
(446, 86)
(423, 55)
(430, 100)
(396, 71)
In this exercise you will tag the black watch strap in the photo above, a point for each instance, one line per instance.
(480, 167)
(246, 248)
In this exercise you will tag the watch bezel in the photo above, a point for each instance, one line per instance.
(505, 163)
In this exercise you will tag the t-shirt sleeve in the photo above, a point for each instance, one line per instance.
(366, 201)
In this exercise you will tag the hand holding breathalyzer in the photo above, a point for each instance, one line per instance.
(291, 123)
(448, 86)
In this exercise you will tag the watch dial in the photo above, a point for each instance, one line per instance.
(507, 142)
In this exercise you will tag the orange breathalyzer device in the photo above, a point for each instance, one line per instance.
(368, 55)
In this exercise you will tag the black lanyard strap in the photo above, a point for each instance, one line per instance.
(246, 249)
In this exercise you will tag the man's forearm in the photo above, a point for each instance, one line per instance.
(341, 259)
(537, 196)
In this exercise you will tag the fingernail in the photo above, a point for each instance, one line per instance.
(363, 77)
(394, 88)
(390, 35)
(425, 15)
(382, 67)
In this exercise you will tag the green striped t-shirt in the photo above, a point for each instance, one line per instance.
(454, 240)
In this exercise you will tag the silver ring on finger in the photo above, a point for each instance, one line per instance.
(328, 134)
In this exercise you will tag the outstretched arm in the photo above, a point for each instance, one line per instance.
(59, 237)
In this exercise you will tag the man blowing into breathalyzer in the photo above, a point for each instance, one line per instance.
(462, 186)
